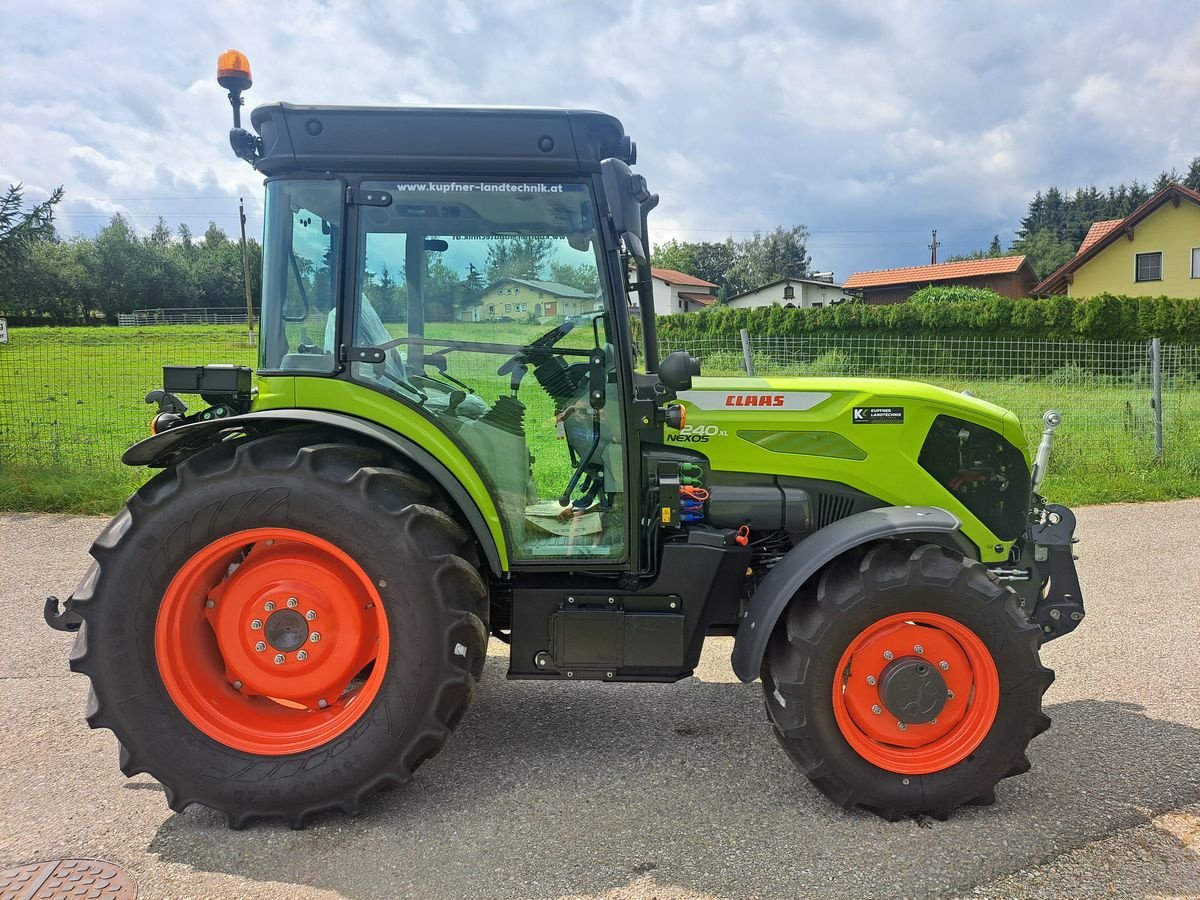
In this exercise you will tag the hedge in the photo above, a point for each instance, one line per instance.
(1106, 317)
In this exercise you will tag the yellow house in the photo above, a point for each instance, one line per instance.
(520, 298)
(1154, 251)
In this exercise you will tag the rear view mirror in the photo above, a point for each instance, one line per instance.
(626, 192)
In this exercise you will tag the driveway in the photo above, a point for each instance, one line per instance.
(668, 791)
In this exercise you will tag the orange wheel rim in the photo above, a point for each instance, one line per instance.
(885, 693)
(271, 641)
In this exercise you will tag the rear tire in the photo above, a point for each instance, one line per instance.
(823, 678)
(346, 525)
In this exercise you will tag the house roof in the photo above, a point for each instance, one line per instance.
(1094, 243)
(702, 299)
(1098, 231)
(670, 276)
(771, 284)
(546, 287)
(969, 268)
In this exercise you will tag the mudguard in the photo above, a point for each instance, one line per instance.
(780, 585)
(175, 444)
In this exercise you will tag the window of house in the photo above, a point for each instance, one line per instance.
(817, 304)
(1149, 267)
(1196, 262)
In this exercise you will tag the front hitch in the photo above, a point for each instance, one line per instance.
(1060, 608)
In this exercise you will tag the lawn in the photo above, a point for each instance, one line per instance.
(71, 400)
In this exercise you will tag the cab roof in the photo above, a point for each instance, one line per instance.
(437, 140)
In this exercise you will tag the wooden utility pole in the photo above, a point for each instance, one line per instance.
(246, 273)
(933, 249)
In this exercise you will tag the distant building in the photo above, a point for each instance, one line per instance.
(792, 293)
(520, 298)
(1008, 276)
(1155, 250)
(676, 292)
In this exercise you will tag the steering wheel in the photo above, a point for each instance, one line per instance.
(536, 349)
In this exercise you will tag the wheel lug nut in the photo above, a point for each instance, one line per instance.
(943, 665)
(279, 658)
(887, 654)
(310, 615)
(902, 726)
(918, 648)
(315, 636)
(949, 695)
(209, 604)
(269, 606)
(293, 602)
(875, 709)
(870, 679)
(302, 655)
(322, 703)
(260, 646)
(256, 624)
(237, 685)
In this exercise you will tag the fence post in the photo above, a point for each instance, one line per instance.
(1156, 399)
(747, 356)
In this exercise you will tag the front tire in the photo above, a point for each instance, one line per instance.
(278, 627)
(908, 682)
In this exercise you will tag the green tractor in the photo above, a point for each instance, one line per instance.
(461, 429)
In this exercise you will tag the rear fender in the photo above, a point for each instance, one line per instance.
(176, 444)
(780, 585)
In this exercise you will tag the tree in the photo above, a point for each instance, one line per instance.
(1044, 251)
(767, 257)
(20, 229)
(518, 257)
(994, 250)
(582, 277)
(1193, 176)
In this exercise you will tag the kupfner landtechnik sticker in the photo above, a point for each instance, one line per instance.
(878, 415)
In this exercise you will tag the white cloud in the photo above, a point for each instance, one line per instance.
(869, 122)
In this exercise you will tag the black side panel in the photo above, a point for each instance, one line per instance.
(172, 446)
(983, 471)
(593, 630)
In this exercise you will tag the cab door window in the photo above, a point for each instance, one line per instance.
(449, 276)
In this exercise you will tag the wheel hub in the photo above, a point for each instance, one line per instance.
(268, 639)
(913, 690)
(286, 630)
(918, 691)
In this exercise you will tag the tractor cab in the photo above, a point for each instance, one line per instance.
(490, 306)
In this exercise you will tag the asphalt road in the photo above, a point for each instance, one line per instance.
(624, 791)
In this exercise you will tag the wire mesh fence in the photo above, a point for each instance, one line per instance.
(75, 395)
(1104, 389)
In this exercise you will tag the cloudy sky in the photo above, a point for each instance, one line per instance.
(871, 123)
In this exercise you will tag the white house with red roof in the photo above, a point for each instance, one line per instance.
(677, 292)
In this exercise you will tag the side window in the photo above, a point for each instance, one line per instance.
(445, 273)
(300, 273)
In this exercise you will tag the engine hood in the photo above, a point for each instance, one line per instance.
(866, 433)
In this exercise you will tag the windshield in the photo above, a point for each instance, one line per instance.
(481, 303)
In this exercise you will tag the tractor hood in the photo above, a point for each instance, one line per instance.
(867, 433)
(837, 402)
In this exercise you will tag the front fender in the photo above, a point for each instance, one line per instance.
(780, 585)
(175, 444)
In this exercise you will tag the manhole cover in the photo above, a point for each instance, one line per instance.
(67, 879)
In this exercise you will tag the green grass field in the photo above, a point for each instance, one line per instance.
(71, 400)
